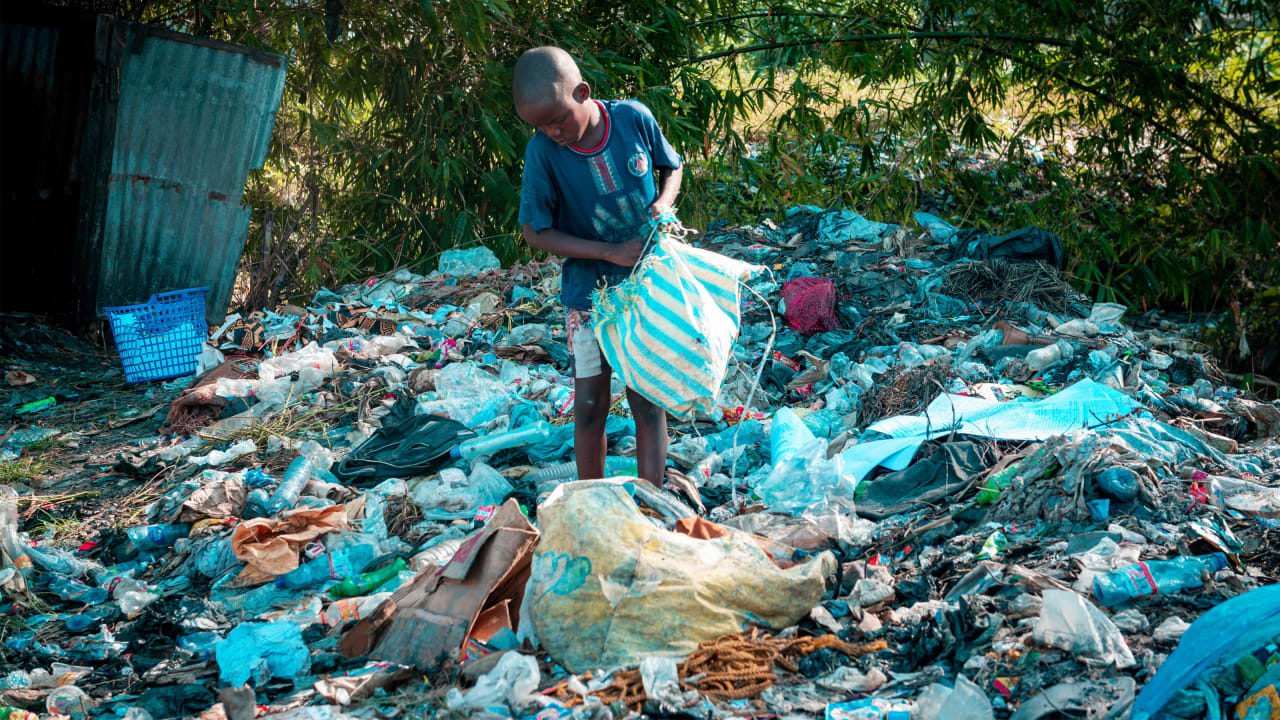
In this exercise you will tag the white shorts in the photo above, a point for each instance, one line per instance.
(588, 362)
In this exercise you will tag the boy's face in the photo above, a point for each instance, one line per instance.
(563, 118)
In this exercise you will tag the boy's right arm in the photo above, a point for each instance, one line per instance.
(563, 244)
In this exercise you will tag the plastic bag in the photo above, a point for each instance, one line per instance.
(511, 682)
(1072, 623)
(608, 587)
(669, 328)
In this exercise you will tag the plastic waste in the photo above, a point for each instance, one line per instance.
(1118, 482)
(200, 644)
(1070, 622)
(330, 566)
(367, 582)
(157, 537)
(68, 700)
(468, 263)
(868, 709)
(68, 589)
(1043, 357)
(1156, 577)
(353, 608)
(260, 651)
(1033, 467)
(12, 713)
(489, 444)
(13, 545)
(89, 619)
(290, 487)
(1226, 633)
(964, 702)
(613, 465)
(512, 682)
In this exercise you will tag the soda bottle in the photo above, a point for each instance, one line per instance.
(366, 583)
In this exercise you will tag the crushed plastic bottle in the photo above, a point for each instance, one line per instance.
(330, 566)
(68, 589)
(200, 644)
(9, 539)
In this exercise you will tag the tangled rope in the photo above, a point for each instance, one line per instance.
(731, 667)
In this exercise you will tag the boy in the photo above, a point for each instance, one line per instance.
(594, 174)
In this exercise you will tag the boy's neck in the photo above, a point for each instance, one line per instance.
(595, 128)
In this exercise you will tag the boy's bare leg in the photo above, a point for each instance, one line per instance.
(590, 411)
(651, 438)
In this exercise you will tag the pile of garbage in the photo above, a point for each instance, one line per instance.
(936, 483)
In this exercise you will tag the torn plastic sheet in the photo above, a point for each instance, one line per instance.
(1086, 404)
(1155, 440)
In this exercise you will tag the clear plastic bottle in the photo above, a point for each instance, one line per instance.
(157, 537)
(69, 589)
(489, 444)
(330, 566)
(1160, 576)
(290, 487)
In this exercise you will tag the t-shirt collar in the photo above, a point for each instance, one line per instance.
(603, 141)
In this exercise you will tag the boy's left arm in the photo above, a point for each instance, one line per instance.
(668, 187)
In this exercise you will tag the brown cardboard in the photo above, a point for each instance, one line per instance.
(426, 622)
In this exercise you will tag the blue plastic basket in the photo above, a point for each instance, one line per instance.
(160, 339)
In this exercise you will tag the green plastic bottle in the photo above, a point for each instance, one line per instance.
(365, 583)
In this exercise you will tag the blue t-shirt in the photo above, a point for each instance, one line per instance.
(602, 195)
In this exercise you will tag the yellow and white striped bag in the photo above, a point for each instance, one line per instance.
(669, 328)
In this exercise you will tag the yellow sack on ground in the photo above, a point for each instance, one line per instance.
(608, 587)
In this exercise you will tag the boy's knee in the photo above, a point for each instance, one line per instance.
(590, 409)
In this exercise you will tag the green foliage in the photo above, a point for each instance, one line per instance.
(1147, 134)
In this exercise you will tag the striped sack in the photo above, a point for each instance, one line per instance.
(669, 328)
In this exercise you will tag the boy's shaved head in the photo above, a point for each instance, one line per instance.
(544, 73)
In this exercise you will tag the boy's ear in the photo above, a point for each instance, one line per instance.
(582, 92)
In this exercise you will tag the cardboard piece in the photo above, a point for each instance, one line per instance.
(427, 622)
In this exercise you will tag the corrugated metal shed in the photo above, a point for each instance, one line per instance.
(170, 126)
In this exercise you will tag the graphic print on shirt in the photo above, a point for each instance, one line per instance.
(623, 222)
(605, 175)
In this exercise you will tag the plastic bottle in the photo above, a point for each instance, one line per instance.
(200, 644)
(108, 577)
(1033, 467)
(561, 398)
(290, 487)
(869, 709)
(1150, 578)
(157, 537)
(366, 583)
(89, 619)
(353, 608)
(613, 465)
(68, 589)
(330, 566)
(489, 444)
(13, 545)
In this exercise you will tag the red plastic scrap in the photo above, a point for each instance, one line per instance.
(811, 305)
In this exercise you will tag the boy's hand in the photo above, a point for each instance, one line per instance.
(656, 210)
(626, 254)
